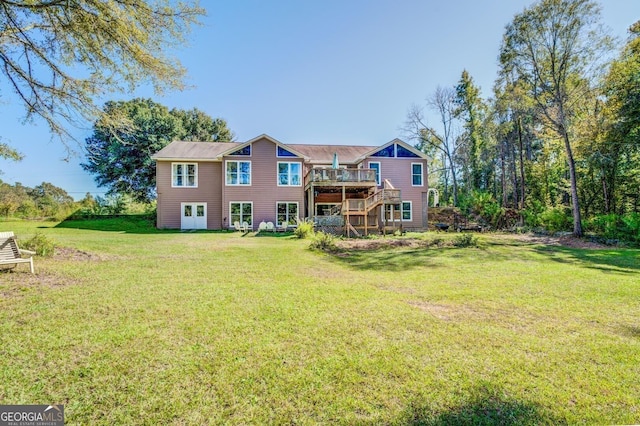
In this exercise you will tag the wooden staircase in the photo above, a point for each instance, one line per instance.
(362, 207)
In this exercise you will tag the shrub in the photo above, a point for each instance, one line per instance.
(632, 227)
(484, 205)
(556, 219)
(324, 241)
(465, 240)
(41, 244)
(532, 213)
(304, 229)
(616, 227)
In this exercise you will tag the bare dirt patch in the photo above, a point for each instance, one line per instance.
(18, 282)
(563, 241)
(69, 253)
(391, 242)
(375, 244)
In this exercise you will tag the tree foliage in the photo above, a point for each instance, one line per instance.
(553, 47)
(560, 139)
(57, 56)
(471, 109)
(439, 145)
(44, 200)
(120, 158)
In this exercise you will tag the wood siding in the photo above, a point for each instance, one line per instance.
(264, 191)
(398, 172)
(209, 191)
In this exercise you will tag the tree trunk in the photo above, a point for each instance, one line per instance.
(575, 203)
(454, 181)
(522, 184)
(503, 180)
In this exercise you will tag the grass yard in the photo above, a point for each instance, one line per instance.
(127, 325)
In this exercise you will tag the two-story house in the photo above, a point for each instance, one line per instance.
(204, 185)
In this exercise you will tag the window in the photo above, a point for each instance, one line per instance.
(289, 174)
(246, 151)
(402, 152)
(405, 211)
(395, 151)
(401, 212)
(281, 152)
(238, 173)
(376, 166)
(286, 212)
(386, 152)
(184, 175)
(416, 174)
(241, 212)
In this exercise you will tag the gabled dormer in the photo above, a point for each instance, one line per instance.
(394, 149)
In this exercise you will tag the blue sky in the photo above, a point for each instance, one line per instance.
(331, 71)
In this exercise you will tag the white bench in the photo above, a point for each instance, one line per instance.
(11, 254)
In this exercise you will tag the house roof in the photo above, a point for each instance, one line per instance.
(314, 154)
(323, 154)
(204, 151)
(269, 138)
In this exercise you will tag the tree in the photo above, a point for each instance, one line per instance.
(199, 127)
(621, 148)
(554, 46)
(470, 109)
(515, 114)
(430, 141)
(120, 158)
(50, 199)
(59, 55)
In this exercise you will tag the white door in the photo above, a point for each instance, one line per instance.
(194, 216)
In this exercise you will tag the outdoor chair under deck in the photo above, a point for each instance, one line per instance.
(11, 254)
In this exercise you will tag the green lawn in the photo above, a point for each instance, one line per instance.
(134, 326)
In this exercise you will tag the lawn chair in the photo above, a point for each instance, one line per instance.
(236, 225)
(284, 226)
(245, 227)
(262, 227)
(271, 227)
(11, 254)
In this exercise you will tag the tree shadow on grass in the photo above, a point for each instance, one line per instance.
(387, 259)
(485, 406)
(623, 261)
(130, 224)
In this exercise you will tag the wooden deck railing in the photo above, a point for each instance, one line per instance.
(363, 205)
(340, 176)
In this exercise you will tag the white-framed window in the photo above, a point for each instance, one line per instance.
(405, 211)
(184, 175)
(375, 165)
(289, 174)
(402, 212)
(241, 211)
(238, 172)
(286, 211)
(416, 174)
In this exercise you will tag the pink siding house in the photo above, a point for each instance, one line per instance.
(363, 189)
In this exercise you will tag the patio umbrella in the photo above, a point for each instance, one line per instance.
(335, 163)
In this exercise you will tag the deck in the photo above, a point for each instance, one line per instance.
(340, 177)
